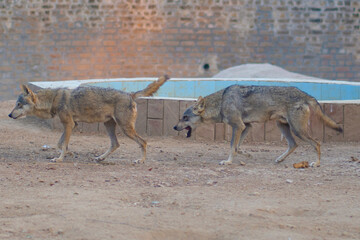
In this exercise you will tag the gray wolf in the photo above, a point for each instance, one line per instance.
(90, 105)
(239, 106)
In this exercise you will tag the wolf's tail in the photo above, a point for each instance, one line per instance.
(151, 88)
(326, 119)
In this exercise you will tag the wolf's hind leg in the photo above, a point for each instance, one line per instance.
(61, 140)
(129, 131)
(242, 138)
(304, 135)
(285, 130)
(110, 129)
(299, 126)
(315, 144)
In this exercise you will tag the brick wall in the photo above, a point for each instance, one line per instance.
(48, 40)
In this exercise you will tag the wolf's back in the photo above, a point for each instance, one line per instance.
(151, 88)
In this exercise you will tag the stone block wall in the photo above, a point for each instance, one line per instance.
(49, 40)
(157, 117)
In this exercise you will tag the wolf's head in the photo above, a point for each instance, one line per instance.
(25, 103)
(191, 117)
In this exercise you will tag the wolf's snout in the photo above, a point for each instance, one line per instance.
(175, 127)
(12, 116)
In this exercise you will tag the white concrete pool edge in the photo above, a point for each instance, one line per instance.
(75, 83)
(71, 84)
(194, 99)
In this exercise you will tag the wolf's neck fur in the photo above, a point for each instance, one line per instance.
(44, 103)
(213, 107)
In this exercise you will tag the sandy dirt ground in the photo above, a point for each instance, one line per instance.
(179, 193)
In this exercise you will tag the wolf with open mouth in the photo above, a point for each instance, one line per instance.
(240, 106)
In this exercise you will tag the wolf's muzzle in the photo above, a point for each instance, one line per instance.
(12, 116)
(189, 129)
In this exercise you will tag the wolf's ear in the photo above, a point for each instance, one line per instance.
(200, 102)
(27, 91)
(199, 106)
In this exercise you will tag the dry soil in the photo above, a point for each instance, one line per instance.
(179, 193)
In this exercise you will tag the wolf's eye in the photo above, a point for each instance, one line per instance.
(185, 118)
(19, 105)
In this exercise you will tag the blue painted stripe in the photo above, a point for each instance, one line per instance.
(194, 89)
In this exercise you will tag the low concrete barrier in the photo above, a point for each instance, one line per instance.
(157, 117)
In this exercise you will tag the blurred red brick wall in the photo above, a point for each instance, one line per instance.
(48, 40)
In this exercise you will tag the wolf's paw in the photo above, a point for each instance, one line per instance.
(225, 162)
(314, 164)
(56, 160)
(99, 159)
(139, 161)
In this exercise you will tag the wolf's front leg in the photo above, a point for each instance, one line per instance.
(235, 139)
(228, 161)
(62, 155)
(64, 141)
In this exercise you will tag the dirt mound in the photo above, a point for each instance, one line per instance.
(260, 70)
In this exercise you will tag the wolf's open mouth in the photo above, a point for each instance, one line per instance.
(189, 131)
